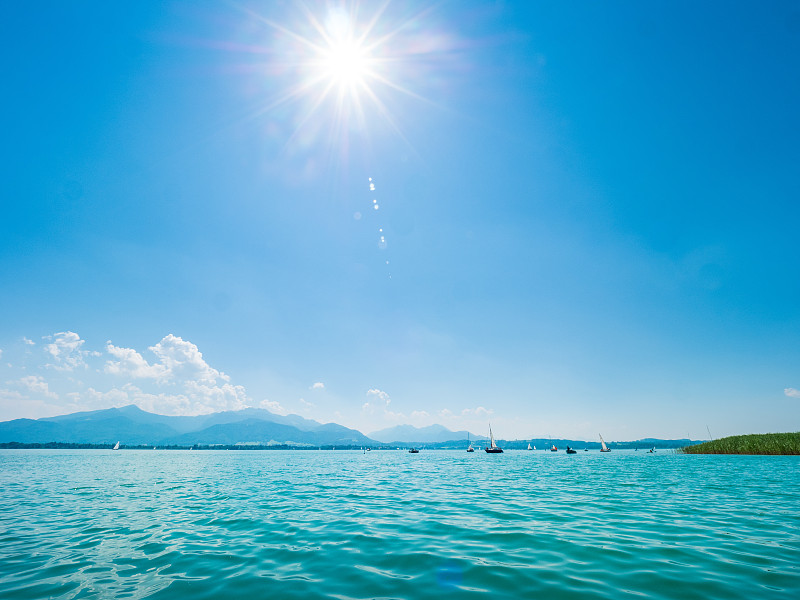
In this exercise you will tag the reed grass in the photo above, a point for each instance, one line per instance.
(764, 443)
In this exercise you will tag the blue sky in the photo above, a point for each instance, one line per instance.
(589, 211)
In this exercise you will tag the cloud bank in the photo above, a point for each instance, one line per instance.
(179, 365)
(176, 380)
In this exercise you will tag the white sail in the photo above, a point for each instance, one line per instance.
(491, 437)
(117, 446)
(529, 447)
(603, 444)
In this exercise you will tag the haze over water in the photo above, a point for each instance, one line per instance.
(386, 524)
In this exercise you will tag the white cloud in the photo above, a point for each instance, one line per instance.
(1, 352)
(28, 342)
(477, 412)
(273, 406)
(65, 350)
(211, 398)
(378, 399)
(11, 395)
(165, 404)
(420, 414)
(36, 385)
(180, 364)
(792, 393)
(379, 404)
(183, 360)
(195, 400)
(175, 381)
(132, 364)
(381, 395)
(16, 405)
(317, 386)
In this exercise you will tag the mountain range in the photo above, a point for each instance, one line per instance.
(408, 434)
(134, 426)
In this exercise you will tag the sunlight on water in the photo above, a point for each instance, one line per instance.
(299, 524)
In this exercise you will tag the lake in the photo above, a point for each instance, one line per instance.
(387, 524)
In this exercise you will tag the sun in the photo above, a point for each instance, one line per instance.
(344, 58)
(347, 70)
(346, 63)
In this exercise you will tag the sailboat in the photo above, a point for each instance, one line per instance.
(116, 447)
(603, 447)
(470, 448)
(529, 447)
(493, 448)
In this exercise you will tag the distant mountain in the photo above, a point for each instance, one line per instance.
(260, 414)
(135, 414)
(256, 431)
(133, 426)
(96, 427)
(420, 435)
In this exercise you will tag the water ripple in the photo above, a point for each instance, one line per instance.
(348, 525)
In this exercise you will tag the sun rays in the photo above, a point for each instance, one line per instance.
(343, 70)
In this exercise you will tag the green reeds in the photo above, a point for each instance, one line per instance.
(764, 443)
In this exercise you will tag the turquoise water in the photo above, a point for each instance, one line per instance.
(438, 524)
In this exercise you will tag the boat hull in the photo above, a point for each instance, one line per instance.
(493, 450)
